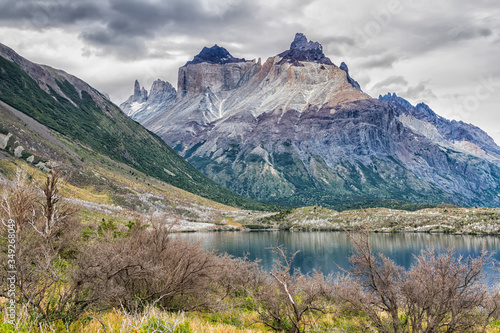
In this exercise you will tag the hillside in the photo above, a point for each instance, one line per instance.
(103, 188)
(71, 107)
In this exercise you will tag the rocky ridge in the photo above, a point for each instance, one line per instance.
(454, 134)
(46, 77)
(161, 93)
(353, 82)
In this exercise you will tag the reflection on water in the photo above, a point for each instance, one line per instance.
(329, 250)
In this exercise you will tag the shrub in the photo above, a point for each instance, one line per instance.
(440, 292)
(286, 300)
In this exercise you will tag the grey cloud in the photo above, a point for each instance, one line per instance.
(419, 93)
(339, 39)
(421, 30)
(466, 33)
(124, 28)
(391, 80)
(384, 61)
(336, 45)
(332, 41)
(50, 13)
(132, 21)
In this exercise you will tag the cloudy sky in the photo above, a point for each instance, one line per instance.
(445, 53)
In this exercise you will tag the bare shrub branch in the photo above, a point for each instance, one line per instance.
(439, 293)
(285, 301)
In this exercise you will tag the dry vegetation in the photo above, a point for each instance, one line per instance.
(450, 219)
(439, 293)
(75, 278)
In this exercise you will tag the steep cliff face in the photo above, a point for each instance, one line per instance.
(213, 69)
(298, 130)
(197, 78)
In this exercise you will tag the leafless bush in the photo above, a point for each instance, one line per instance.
(234, 278)
(151, 266)
(41, 269)
(19, 202)
(59, 277)
(287, 298)
(439, 293)
(373, 285)
(56, 214)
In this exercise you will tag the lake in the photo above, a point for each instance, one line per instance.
(329, 250)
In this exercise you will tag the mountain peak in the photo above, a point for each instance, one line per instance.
(214, 55)
(300, 40)
(303, 50)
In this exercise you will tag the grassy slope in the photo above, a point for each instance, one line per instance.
(108, 189)
(109, 132)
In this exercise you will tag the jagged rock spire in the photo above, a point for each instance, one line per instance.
(140, 94)
(353, 82)
(137, 90)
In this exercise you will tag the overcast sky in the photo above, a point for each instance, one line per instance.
(445, 53)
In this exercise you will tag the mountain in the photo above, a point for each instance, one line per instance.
(452, 134)
(69, 106)
(298, 130)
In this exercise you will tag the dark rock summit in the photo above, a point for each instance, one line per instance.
(303, 50)
(214, 55)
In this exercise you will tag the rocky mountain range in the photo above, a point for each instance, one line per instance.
(298, 130)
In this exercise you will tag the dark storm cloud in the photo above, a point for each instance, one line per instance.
(131, 23)
(122, 27)
(49, 13)
(127, 28)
